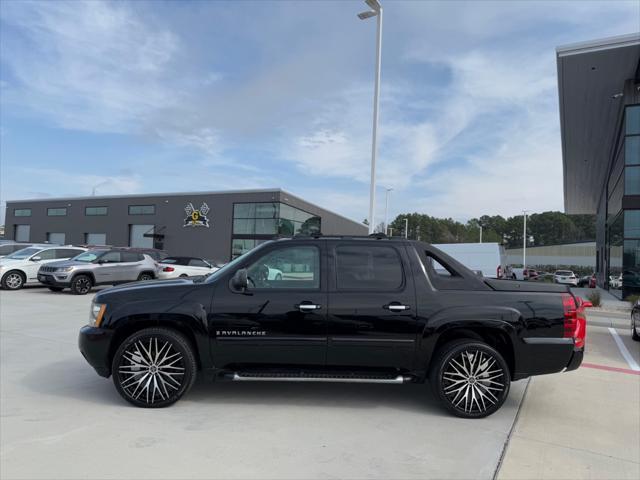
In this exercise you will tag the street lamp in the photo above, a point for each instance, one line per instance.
(524, 240)
(386, 210)
(376, 11)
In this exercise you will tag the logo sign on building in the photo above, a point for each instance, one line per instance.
(196, 217)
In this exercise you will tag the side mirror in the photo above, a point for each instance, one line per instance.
(36, 259)
(240, 280)
(100, 261)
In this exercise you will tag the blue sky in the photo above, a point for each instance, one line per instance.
(212, 95)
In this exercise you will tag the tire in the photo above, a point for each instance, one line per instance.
(56, 289)
(184, 275)
(13, 280)
(144, 276)
(458, 381)
(81, 284)
(172, 377)
(634, 331)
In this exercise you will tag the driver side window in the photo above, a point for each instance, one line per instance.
(289, 267)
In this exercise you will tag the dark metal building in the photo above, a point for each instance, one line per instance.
(599, 90)
(213, 225)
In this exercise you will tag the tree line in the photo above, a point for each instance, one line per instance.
(547, 228)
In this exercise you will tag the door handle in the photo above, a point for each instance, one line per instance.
(308, 307)
(396, 307)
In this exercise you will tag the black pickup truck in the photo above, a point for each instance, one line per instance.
(335, 309)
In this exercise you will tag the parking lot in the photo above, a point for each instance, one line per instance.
(60, 420)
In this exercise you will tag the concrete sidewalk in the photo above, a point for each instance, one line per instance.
(582, 424)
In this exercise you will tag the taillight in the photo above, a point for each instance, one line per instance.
(499, 271)
(575, 322)
(168, 269)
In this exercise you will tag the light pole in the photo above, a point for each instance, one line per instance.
(406, 227)
(376, 11)
(480, 225)
(386, 210)
(524, 240)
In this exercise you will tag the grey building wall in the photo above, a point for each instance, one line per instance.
(213, 242)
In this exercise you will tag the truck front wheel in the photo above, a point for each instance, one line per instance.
(154, 368)
(470, 378)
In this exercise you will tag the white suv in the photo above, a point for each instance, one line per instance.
(566, 277)
(21, 267)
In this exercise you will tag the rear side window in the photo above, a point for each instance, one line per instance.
(130, 257)
(110, 257)
(368, 268)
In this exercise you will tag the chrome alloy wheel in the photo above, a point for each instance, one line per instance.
(151, 372)
(13, 281)
(473, 381)
(83, 285)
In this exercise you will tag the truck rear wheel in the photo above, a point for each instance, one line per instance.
(154, 368)
(470, 378)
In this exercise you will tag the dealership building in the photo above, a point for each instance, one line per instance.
(213, 225)
(599, 92)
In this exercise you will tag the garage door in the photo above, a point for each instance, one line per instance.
(22, 233)
(137, 238)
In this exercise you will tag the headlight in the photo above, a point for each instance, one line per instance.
(64, 269)
(96, 314)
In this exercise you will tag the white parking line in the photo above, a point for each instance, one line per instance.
(623, 350)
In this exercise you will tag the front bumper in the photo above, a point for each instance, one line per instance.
(54, 279)
(95, 345)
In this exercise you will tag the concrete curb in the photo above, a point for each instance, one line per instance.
(609, 322)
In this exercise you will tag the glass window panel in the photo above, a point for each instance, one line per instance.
(286, 227)
(631, 272)
(49, 254)
(22, 212)
(615, 199)
(266, 210)
(240, 246)
(287, 211)
(142, 209)
(57, 238)
(632, 150)
(23, 232)
(632, 181)
(111, 257)
(244, 210)
(244, 226)
(95, 211)
(368, 268)
(266, 226)
(632, 224)
(633, 120)
(56, 212)
(288, 267)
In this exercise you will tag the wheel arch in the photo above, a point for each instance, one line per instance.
(88, 273)
(495, 336)
(181, 323)
(22, 273)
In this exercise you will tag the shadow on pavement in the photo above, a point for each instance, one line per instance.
(74, 379)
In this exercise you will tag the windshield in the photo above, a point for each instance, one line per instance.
(89, 256)
(231, 265)
(24, 253)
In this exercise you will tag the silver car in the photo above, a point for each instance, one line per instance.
(97, 267)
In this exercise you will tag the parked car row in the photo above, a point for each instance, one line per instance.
(80, 268)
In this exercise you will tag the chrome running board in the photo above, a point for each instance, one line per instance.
(264, 378)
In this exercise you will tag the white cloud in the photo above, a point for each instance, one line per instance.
(88, 65)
